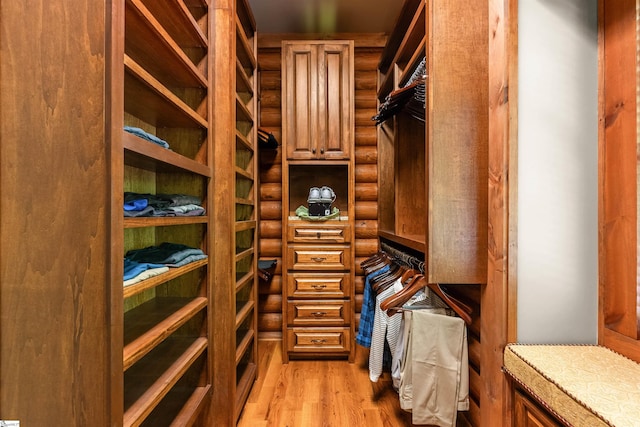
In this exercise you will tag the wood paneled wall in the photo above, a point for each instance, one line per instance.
(368, 48)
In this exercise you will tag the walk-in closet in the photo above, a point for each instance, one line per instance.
(276, 213)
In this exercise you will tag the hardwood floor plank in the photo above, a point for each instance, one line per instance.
(320, 393)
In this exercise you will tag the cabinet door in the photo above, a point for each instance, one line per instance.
(317, 93)
(300, 96)
(529, 414)
(335, 97)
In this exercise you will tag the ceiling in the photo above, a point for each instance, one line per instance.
(325, 16)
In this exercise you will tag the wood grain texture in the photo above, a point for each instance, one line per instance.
(320, 393)
(55, 275)
(618, 165)
(498, 303)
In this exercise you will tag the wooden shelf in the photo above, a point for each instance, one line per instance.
(154, 389)
(243, 141)
(149, 100)
(144, 154)
(242, 112)
(245, 17)
(246, 202)
(244, 280)
(192, 408)
(152, 282)
(245, 253)
(413, 242)
(236, 238)
(244, 50)
(241, 173)
(410, 47)
(165, 81)
(405, 18)
(178, 20)
(152, 322)
(155, 50)
(243, 312)
(243, 82)
(243, 386)
(245, 225)
(138, 222)
(413, 63)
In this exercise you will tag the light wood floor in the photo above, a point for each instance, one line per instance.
(327, 393)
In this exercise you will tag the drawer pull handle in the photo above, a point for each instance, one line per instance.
(318, 341)
(319, 313)
(318, 287)
(318, 259)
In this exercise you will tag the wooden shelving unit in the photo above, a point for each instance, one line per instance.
(318, 144)
(235, 150)
(166, 320)
(437, 165)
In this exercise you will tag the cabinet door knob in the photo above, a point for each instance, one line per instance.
(313, 150)
(318, 259)
(322, 150)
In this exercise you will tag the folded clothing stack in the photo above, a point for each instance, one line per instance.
(154, 205)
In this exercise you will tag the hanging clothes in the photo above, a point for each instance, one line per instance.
(435, 380)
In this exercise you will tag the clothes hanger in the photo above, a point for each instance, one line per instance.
(416, 283)
(375, 267)
(461, 309)
(373, 259)
(375, 262)
(387, 279)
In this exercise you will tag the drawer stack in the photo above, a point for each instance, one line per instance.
(319, 289)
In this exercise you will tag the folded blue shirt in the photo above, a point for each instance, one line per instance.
(133, 268)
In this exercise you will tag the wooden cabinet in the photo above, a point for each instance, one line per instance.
(527, 413)
(234, 237)
(436, 162)
(318, 259)
(318, 295)
(318, 138)
(317, 99)
(166, 324)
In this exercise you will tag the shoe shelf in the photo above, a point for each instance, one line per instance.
(142, 155)
(152, 282)
(147, 392)
(152, 322)
(155, 47)
(166, 350)
(154, 103)
(236, 249)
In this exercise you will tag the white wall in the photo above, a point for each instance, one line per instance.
(557, 171)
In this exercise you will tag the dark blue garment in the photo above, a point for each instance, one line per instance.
(165, 253)
(365, 328)
(133, 268)
(146, 135)
(136, 205)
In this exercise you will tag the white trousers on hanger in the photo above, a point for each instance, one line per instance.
(434, 382)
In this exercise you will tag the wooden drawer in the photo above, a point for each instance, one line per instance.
(319, 313)
(319, 340)
(319, 285)
(318, 257)
(528, 413)
(319, 233)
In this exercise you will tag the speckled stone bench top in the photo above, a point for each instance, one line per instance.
(584, 385)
